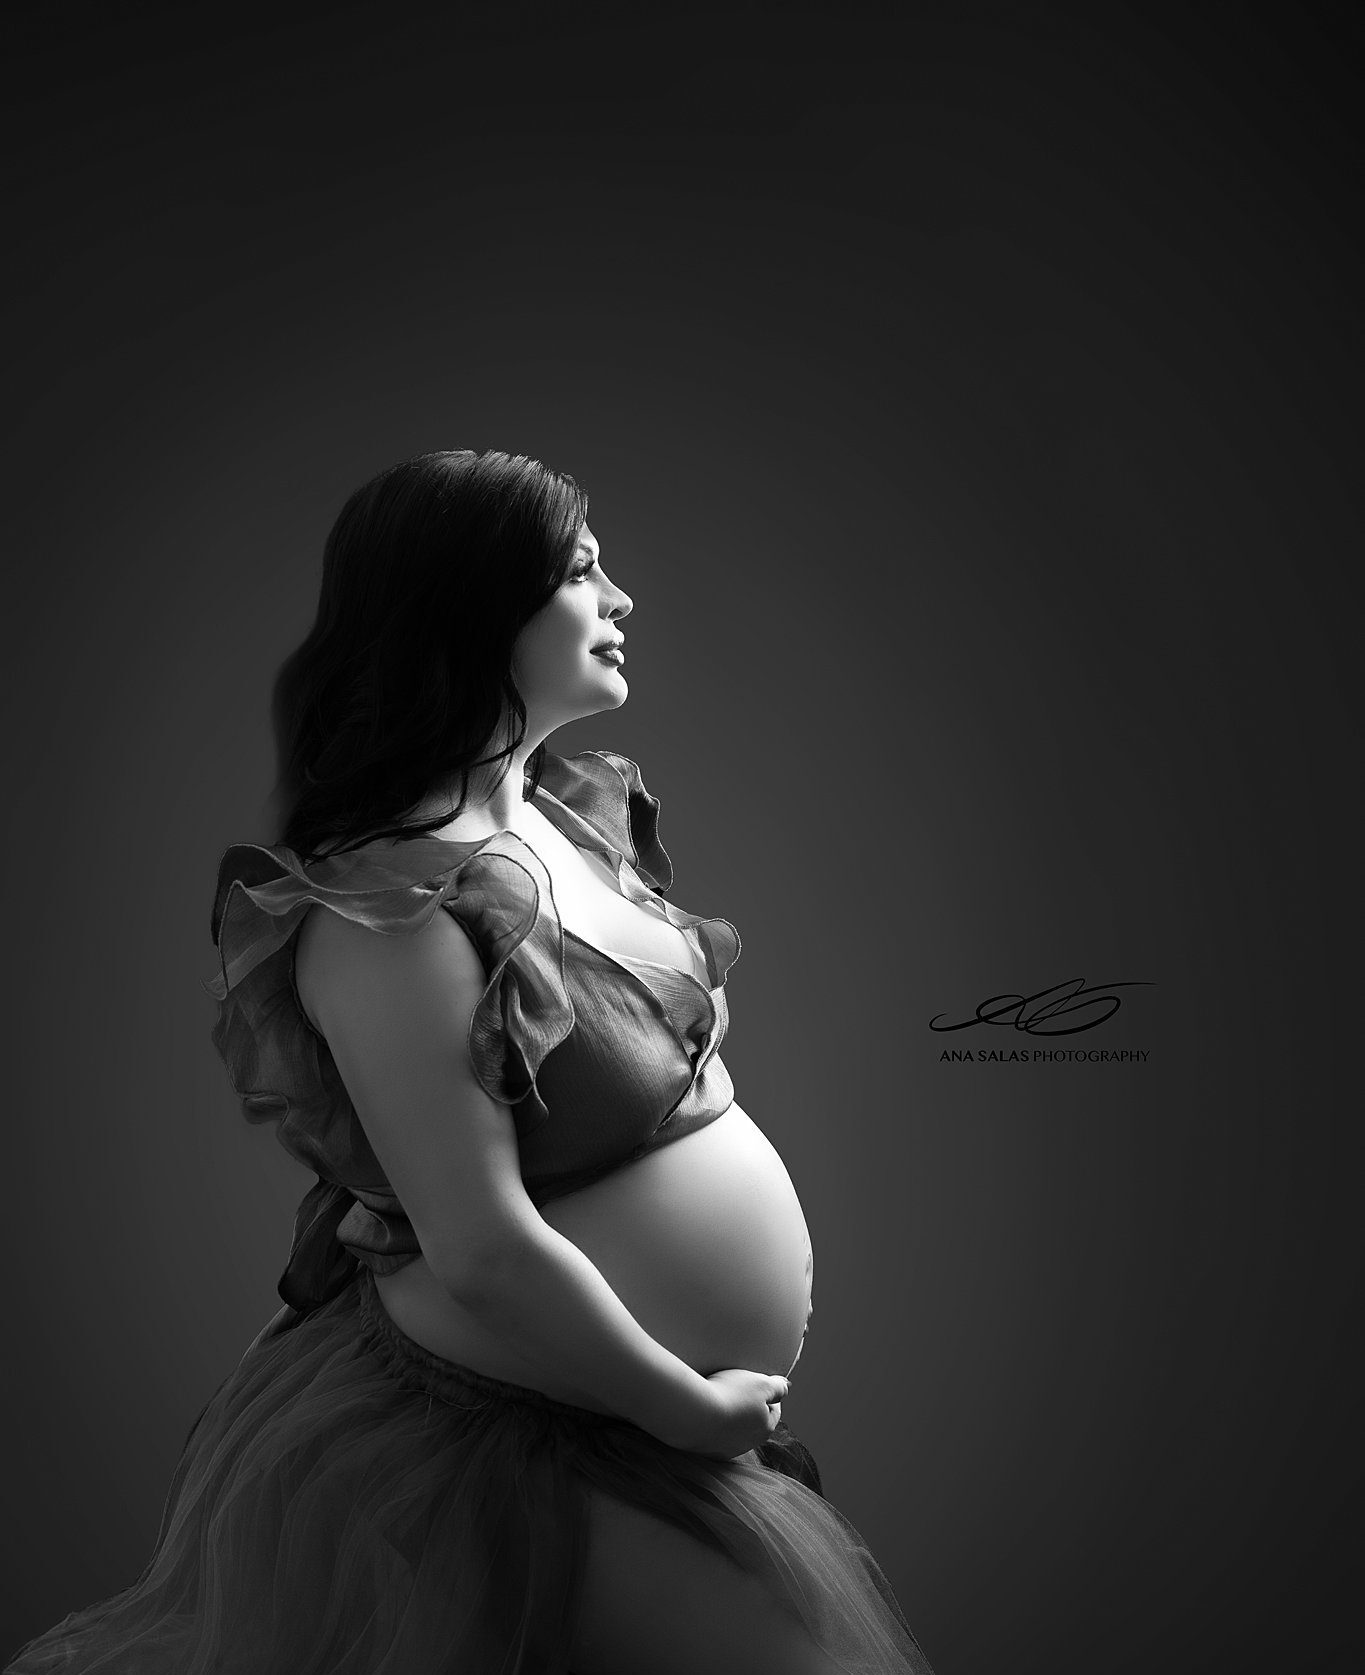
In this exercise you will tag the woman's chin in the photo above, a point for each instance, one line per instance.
(606, 695)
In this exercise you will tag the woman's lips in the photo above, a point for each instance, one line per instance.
(609, 654)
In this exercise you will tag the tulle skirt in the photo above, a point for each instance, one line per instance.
(349, 1503)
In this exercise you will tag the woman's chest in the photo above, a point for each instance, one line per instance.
(592, 908)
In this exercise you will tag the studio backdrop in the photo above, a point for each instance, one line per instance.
(964, 402)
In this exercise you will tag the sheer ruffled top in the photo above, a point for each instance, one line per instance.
(600, 1057)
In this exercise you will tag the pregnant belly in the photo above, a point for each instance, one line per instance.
(703, 1240)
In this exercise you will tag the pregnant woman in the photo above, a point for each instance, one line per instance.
(521, 1412)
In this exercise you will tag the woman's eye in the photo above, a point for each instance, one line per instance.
(582, 571)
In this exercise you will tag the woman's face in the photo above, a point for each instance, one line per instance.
(556, 662)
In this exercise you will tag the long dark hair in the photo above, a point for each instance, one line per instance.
(405, 677)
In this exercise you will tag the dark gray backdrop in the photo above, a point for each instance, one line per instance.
(965, 402)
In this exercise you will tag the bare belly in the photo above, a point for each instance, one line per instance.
(703, 1240)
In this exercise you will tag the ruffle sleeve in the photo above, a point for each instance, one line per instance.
(606, 790)
(282, 1070)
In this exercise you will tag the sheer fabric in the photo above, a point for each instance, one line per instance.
(599, 1060)
(349, 1503)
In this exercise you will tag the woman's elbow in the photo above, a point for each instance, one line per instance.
(480, 1272)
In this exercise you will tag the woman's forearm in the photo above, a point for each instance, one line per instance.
(552, 1305)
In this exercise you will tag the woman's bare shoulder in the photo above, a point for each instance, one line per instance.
(338, 961)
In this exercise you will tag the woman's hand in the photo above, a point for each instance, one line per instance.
(740, 1412)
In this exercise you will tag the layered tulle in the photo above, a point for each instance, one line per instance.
(350, 1504)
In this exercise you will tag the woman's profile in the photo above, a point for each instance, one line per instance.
(521, 1412)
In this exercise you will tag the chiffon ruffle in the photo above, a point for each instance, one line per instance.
(283, 1072)
(350, 1504)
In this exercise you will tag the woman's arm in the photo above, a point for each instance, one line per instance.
(395, 1011)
